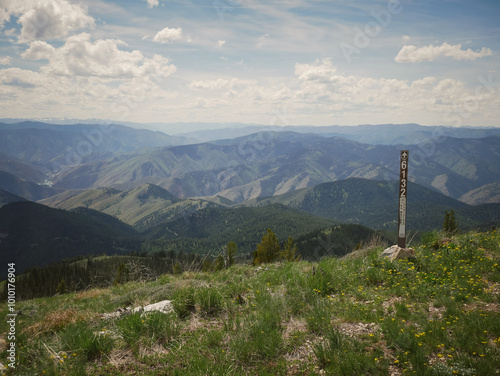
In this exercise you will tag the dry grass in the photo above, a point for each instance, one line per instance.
(93, 293)
(54, 321)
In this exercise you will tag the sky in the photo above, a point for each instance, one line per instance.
(271, 62)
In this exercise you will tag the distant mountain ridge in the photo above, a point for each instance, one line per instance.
(271, 163)
(83, 156)
(50, 146)
(375, 134)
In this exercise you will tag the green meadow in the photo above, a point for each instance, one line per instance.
(438, 314)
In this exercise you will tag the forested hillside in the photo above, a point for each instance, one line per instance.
(36, 235)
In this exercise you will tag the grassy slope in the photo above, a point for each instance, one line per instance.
(130, 207)
(359, 315)
(489, 193)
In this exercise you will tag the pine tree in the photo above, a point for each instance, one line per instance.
(121, 275)
(289, 252)
(206, 266)
(177, 268)
(268, 250)
(219, 263)
(446, 223)
(62, 288)
(231, 250)
(450, 225)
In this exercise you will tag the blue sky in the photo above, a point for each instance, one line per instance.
(295, 62)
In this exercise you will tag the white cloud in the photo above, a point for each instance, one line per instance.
(20, 77)
(48, 19)
(321, 71)
(262, 40)
(80, 56)
(413, 54)
(220, 43)
(6, 60)
(38, 50)
(168, 34)
(220, 83)
(4, 15)
(152, 3)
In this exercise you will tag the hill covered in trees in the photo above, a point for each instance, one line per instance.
(374, 204)
(36, 235)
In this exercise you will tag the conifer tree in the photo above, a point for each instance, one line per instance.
(219, 263)
(62, 288)
(446, 223)
(231, 250)
(450, 225)
(121, 275)
(289, 252)
(268, 250)
(177, 268)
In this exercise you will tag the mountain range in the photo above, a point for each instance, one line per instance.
(123, 189)
(272, 163)
(453, 161)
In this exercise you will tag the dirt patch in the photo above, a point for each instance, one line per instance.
(121, 357)
(485, 307)
(356, 329)
(196, 322)
(300, 355)
(493, 288)
(436, 313)
(390, 303)
(154, 350)
(293, 326)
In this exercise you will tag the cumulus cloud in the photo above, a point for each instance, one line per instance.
(168, 34)
(413, 54)
(152, 3)
(81, 56)
(6, 60)
(38, 50)
(46, 19)
(21, 78)
(320, 71)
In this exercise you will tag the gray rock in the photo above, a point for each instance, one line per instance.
(396, 252)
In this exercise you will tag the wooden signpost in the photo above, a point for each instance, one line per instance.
(403, 191)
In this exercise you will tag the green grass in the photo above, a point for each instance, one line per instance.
(361, 315)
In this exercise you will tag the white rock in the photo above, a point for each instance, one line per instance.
(164, 306)
(396, 252)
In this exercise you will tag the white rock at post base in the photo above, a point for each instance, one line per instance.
(396, 252)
